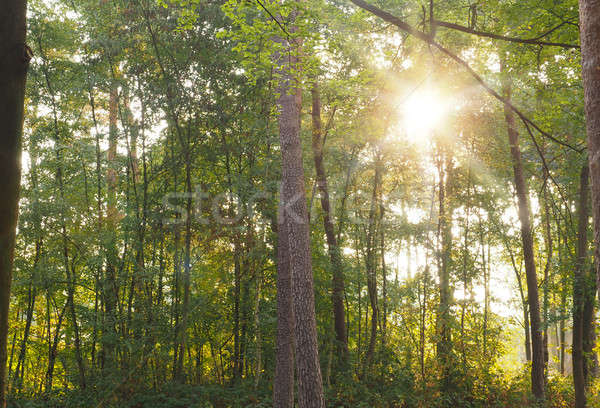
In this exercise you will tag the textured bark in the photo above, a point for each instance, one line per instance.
(579, 284)
(13, 72)
(589, 12)
(589, 327)
(283, 385)
(294, 214)
(337, 293)
(537, 346)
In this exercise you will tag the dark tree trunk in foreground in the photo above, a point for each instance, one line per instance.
(339, 313)
(13, 72)
(537, 345)
(579, 291)
(589, 12)
(294, 214)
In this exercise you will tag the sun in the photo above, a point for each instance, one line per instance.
(421, 114)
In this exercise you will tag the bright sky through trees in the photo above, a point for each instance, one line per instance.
(313, 204)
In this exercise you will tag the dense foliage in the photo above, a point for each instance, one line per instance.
(146, 262)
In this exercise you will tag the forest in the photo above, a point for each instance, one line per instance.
(299, 203)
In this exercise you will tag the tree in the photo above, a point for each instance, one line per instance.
(337, 292)
(295, 216)
(537, 345)
(579, 292)
(13, 72)
(589, 14)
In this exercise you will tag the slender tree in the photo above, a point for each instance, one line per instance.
(537, 346)
(337, 293)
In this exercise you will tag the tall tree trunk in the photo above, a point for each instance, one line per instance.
(465, 276)
(589, 11)
(187, 259)
(537, 345)
(384, 305)
(13, 73)
(237, 290)
(444, 337)
(486, 291)
(371, 260)
(589, 16)
(589, 325)
(69, 272)
(579, 290)
(110, 289)
(547, 276)
(337, 293)
(523, 301)
(53, 345)
(258, 332)
(295, 216)
(283, 384)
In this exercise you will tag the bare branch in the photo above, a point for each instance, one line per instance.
(426, 38)
(531, 41)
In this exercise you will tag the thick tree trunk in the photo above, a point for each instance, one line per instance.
(283, 385)
(337, 293)
(589, 12)
(537, 345)
(589, 326)
(579, 291)
(13, 72)
(295, 216)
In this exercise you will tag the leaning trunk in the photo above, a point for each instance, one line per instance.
(337, 293)
(537, 345)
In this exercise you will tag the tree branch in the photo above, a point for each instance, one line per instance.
(532, 41)
(426, 38)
